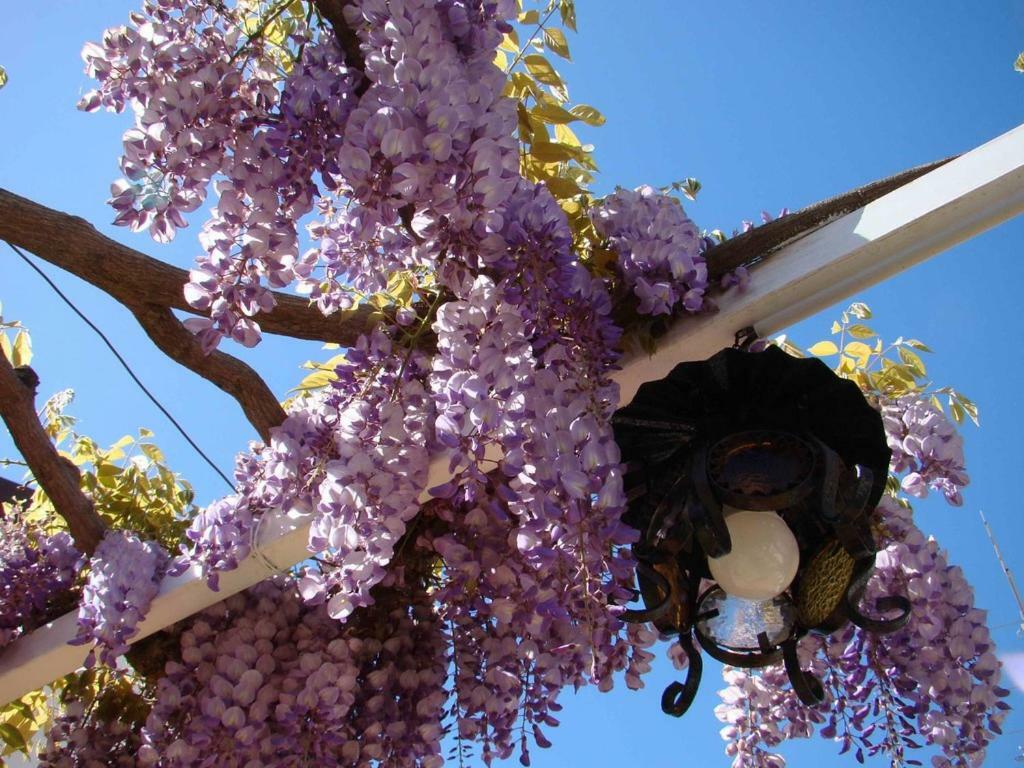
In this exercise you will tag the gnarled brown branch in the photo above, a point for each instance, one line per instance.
(150, 288)
(55, 474)
(131, 277)
(227, 372)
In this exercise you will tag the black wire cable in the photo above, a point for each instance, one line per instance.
(124, 364)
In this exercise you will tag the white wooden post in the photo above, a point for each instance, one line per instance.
(914, 222)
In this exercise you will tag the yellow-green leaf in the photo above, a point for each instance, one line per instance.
(859, 351)
(588, 114)
(152, 452)
(823, 348)
(510, 42)
(836, 327)
(957, 410)
(552, 113)
(542, 71)
(22, 351)
(1019, 63)
(12, 736)
(860, 310)
(567, 8)
(555, 40)
(124, 442)
(562, 188)
(5, 346)
(859, 331)
(550, 152)
(913, 361)
(3, 77)
(531, 16)
(565, 135)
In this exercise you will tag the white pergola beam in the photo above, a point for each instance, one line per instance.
(914, 222)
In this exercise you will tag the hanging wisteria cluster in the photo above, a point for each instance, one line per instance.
(124, 577)
(934, 682)
(34, 568)
(926, 448)
(659, 249)
(78, 739)
(382, 125)
(265, 679)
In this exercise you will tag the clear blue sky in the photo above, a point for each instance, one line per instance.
(769, 105)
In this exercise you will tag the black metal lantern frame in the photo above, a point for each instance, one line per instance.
(760, 431)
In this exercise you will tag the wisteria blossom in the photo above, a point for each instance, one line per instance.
(265, 679)
(124, 577)
(34, 568)
(934, 682)
(462, 606)
(660, 251)
(926, 447)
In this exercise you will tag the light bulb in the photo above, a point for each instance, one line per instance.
(764, 557)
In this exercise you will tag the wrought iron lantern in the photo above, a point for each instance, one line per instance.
(752, 478)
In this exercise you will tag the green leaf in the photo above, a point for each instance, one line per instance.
(555, 40)
(542, 71)
(823, 349)
(588, 114)
(13, 737)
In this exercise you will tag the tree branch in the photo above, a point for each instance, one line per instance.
(333, 12)
(227, 372)
(150, 288)
(55, 474)
(132, 278)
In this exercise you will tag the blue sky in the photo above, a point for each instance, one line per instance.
(768, 105)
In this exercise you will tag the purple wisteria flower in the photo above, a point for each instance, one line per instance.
(34, 569)
(934, 682)
(124, 577)
(660, 251)
(926, 446)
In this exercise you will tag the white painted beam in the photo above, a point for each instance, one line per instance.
(914, 222)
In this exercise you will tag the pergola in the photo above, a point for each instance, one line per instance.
(819, 266)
